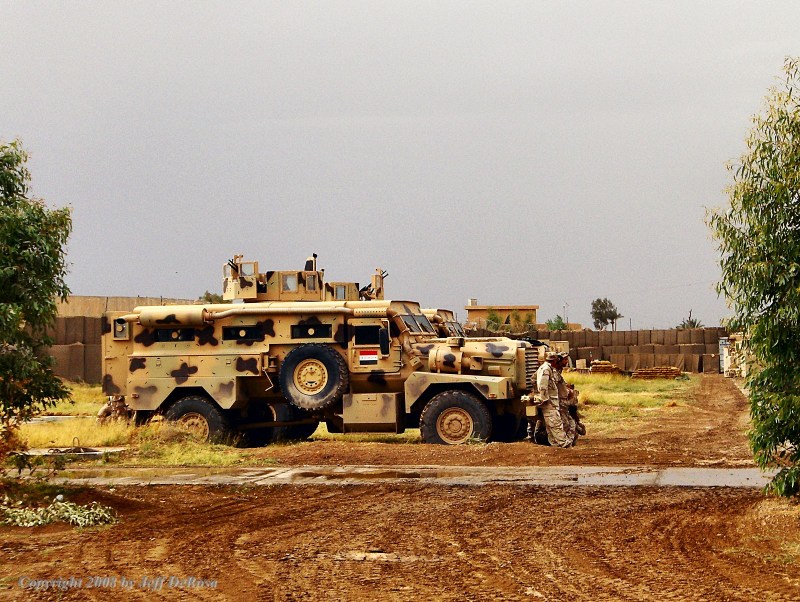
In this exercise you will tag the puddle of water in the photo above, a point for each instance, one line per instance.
(593, 476)
(149, 473)
(358, 475)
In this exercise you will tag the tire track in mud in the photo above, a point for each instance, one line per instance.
(411, 542)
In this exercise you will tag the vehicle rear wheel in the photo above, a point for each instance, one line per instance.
(314, 377)
(455, 417)
(200, 417)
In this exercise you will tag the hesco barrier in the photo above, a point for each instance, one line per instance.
(77, 332)
(691, 350)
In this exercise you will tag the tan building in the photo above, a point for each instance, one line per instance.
(511, 317)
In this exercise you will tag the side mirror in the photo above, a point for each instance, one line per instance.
(383, 339)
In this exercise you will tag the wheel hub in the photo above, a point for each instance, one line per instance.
(455, 425)
(194, 423)
(311, 376)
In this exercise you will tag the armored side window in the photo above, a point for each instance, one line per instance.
(311, 331)
(341, 292)
(311, 282)
(367, 335)
(289, 283)
(166, 335)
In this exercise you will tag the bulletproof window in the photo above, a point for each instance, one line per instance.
(341, 292)
(418, 323)
(289, 283)
(242, 333)
(455, 329)
(168, 335)
(411, 323)
(311, 282)
(367, 335)
(311, 331)
(424, 323)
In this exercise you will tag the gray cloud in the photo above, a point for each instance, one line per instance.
(516, 152)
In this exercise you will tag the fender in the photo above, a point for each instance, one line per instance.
(488, 387)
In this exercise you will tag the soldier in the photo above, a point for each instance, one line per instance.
(568, 401)
(547, 397)
(566, 398)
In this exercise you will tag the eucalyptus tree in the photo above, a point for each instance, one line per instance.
(758, 237)
(32, 279)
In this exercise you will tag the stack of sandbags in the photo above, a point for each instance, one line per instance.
(604, 367)
(658, 372)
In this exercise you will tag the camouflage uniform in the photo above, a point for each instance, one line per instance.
(566, 398)
(548, 396)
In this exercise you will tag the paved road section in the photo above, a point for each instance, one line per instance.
(559, 476)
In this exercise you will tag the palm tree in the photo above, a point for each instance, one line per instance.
(690, 322)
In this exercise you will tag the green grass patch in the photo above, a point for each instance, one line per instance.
(86, 515)
(189, 453)
(609, 401)
(86, 401)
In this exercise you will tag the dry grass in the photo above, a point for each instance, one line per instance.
(161, 444)
(64, 432)
(410, 435)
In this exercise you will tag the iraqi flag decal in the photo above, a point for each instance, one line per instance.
(368, 356)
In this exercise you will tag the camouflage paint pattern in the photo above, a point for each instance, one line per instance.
(234, 352)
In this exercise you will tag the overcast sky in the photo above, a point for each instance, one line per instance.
(518, 152)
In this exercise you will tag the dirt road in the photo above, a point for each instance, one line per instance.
(710, 431)
(381, 541)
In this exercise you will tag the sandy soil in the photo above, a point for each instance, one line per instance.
(417, 542)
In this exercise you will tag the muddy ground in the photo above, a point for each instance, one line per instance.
(708, 431)
(417, 542)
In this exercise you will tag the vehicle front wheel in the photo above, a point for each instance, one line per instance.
(200, 417)
(455, 417)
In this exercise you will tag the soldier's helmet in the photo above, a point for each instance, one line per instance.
(550, 356)
(563, 355)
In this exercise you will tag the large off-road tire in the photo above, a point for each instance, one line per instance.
(200, 417)
(506, 428)
(455, 417)
(314, 377)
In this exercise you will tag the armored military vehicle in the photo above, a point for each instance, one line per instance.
(274, 368)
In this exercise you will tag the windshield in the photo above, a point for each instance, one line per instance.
(417, 323)
(455, 329)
